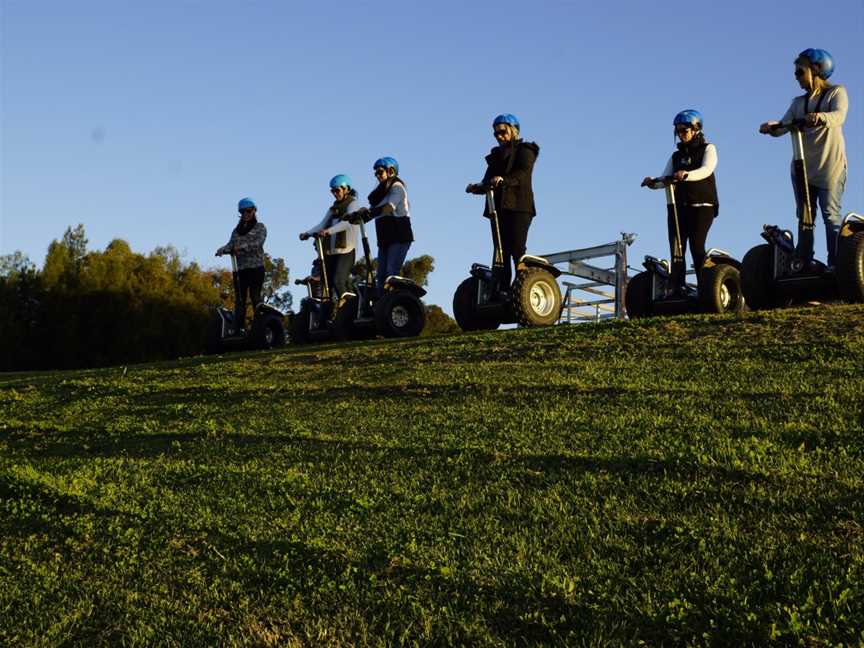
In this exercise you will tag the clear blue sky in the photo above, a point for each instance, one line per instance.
(147, 121)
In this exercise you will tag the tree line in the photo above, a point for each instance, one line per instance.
(96, 308)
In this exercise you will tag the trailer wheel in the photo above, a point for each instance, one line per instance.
(637, 297)
(268, 332)
(465, 308)
(850, 267)
(720, 289)
(536, 297)
(400, 313)
(756, 277)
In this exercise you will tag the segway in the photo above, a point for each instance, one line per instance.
(482, 302)
(773, 275)
(396, 313)
(224, 334)
(719, 283)
(361, 313)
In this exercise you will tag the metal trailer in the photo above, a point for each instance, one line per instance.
(581, 296)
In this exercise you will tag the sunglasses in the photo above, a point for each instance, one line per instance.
(499, 132)
(247, 210)
(799, 72)
(379, 171)
(336, 190)
(683, 129)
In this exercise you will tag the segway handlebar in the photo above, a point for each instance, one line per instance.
(664, 180)
(791, 124)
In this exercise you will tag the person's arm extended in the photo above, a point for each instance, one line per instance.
(667, 171)
(839, 106)
(709, 164)
(320, 226)
(395, 197)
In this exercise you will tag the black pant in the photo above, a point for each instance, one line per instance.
(514, 238)
(694, 223)
(339, 272)
(249, 280)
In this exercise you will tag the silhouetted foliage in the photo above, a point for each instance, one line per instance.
(438, 322)
(88, 309)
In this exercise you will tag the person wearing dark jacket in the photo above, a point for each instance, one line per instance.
(247, 247)
(692, 167)
(509, 167)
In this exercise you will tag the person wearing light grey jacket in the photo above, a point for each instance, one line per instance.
(823, 108)
(340, 237)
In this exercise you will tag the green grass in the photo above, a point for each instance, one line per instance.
(676, 481)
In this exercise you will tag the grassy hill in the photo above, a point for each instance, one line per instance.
(697, 480)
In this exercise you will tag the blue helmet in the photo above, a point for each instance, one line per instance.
(386, 163)
(506, 118)
(690, 117)
(820, 60)
(340, 180)
(246, 203)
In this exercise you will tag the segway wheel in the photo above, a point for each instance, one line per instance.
(343, 324)
(400, 313)
(536, 297)
(268, 332)
(637, 297)
(756, 278)
(465, 308)
(720, 289)
(213, 337)
(300, 326)
(850, 267)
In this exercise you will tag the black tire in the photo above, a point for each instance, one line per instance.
(213, 339)
(465, 308)
(300, 326)
(342, 328)
(720, 289)
(757, 281)
(400, 313)
(850, 267)
(637, 297)
(268, 332)
(536, 297)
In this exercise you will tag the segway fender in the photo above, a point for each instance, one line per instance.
(781, 238)
(716, 256)
(267, 309)
(395, 282)
(481, 272)
(852, 223)
(531, 261)
(657, 266)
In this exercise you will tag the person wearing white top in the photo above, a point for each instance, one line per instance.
(340, 237)
(823, 108)
(692, 168)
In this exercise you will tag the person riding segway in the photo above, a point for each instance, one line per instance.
(779, 271)
(335, 243)
(692, 205)
(487, 299)
(395, 304)
(246, 247)
(340, 237)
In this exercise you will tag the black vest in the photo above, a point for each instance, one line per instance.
(390, 229)
(687, 158)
